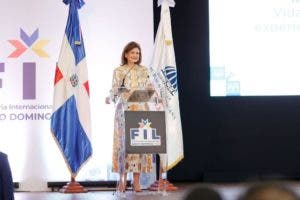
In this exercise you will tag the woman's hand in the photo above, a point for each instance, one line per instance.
(158, 100)
(126, 95)
(149, 86)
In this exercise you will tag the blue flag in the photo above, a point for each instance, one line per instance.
(70, 121)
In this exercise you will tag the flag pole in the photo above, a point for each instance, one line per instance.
(162, 183)
(163, 68)
(70, 120)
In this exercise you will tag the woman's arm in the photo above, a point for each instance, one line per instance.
(113, 93)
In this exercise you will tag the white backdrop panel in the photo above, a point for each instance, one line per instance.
(25, 127)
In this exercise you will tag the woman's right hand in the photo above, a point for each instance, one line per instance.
(150, 86)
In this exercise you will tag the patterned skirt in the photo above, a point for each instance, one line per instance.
(121, 162)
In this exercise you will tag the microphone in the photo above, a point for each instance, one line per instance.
(123, 81)
(122, 87)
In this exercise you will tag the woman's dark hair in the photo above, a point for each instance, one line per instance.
(129, 47)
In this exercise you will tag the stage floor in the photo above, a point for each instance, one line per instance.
(227, 191)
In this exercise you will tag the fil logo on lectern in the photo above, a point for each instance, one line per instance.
(144, 135)
(21, 45)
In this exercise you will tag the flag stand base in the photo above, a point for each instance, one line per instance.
(160, 184)
(73, 187)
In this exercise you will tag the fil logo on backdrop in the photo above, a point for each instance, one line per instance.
(29, 68)
(144, 135)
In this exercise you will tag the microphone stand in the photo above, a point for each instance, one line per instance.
(122, 87)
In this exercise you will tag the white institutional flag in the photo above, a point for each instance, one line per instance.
(163, 70)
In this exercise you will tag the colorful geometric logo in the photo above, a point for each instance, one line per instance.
(29, 42)
(145, 123)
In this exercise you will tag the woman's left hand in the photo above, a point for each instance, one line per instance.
(150, 86)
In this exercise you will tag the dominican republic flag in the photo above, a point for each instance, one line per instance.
(70, 121)
(164, 73)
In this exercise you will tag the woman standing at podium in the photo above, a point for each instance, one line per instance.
(128, 77)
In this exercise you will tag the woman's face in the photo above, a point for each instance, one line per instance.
(133, 55)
